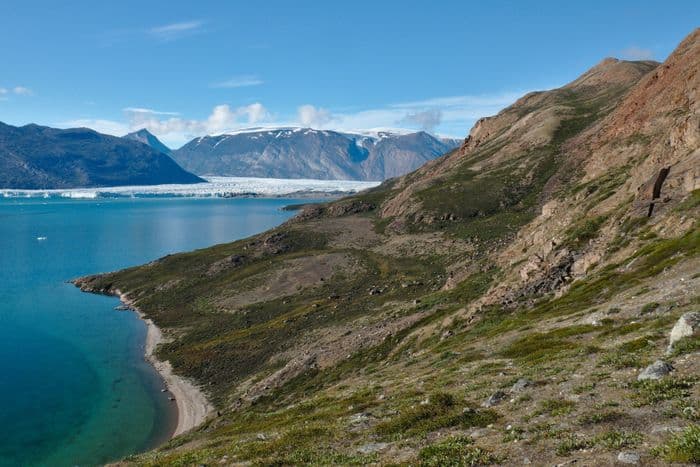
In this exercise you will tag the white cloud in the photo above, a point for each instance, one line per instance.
(311, 116)
(148, 111)
(637, 53)
(22, 91)
(171, 128)
(176, 130)
(17, 90)
(174, 31)
(426, 119)
(451, 115)
(239, 82)
(467, 101)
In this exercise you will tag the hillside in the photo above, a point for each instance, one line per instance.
(38, 157)
(501, 304)
(309, 153)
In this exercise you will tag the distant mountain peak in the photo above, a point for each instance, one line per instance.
(146, 137)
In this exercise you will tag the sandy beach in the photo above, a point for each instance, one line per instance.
(193, 408)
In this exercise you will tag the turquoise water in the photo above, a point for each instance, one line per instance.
(74, 386)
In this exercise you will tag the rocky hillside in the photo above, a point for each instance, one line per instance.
(532, 297)
(38, 157)
(309, 153)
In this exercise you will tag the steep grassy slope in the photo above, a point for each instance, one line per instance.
(494, 306)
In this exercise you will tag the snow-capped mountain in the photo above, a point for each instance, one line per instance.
(291, 152)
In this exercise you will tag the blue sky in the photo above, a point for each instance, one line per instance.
(184, 68)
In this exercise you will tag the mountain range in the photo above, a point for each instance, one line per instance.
(530, 298)
(310, 153)
(39, 157)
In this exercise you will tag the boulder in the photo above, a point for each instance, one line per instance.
(687, 325)
(495, 399)
(628, 457)
(520, 385)
(656, 370)
(370, 448)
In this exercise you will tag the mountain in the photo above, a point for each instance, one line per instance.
(146, 137)
(309, 153)
(530, 298)
(38, 157)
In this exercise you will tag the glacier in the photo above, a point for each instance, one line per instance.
(214, 187)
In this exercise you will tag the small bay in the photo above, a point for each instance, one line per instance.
(74, 386)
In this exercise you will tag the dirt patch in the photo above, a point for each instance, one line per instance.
(434, 243)
(347, 232)
(290, 277)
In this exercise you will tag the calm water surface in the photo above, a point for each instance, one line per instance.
(74, 386)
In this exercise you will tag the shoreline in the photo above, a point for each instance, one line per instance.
(193, 407)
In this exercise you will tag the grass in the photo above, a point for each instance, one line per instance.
(583, 231)
(654, 391)
(685, 346)
(455, 452)
(555, 407)
(571, 443)
(618, 439)
(631, 354)
(441, 411)
(683, 447)
(649, 308)
(600, 417)
(690, 203)
(536, 347)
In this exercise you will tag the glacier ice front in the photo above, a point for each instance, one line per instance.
(214, 187)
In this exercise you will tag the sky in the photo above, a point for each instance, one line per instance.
(184, 69)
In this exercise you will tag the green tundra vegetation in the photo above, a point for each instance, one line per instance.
(395, 327)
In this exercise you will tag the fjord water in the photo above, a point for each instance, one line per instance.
(74, 386)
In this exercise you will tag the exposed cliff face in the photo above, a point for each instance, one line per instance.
(309, 153)
(523, 281)
(647, 150)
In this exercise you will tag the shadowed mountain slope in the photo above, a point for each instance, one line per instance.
(38, 157)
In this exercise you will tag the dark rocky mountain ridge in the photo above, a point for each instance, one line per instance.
(39, 157)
